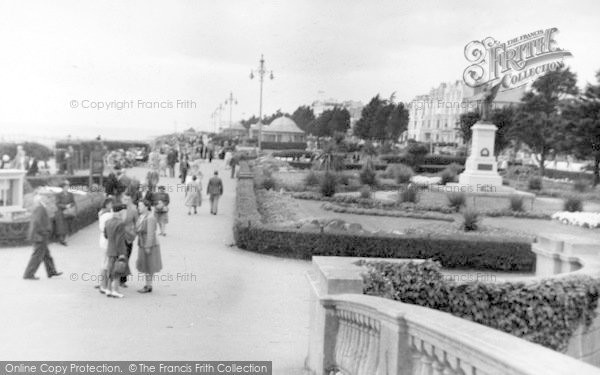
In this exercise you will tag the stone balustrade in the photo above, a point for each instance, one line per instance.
(351, 333)
(367, 335)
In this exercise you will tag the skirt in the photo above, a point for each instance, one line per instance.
(162, 217)
(149, 263)
(193, 199)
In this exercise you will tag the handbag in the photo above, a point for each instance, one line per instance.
(120, 267)
(70, 212)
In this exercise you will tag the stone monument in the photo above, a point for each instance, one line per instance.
(481, 168)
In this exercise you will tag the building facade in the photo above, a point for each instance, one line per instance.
(434, 117)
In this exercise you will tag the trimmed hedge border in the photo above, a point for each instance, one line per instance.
(455, 251)
(283, 145)
(427, 159)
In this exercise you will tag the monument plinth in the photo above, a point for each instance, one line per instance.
(481, 168)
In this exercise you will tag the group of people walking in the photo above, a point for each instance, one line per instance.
(127, 214)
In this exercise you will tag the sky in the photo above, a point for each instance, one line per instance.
(61, 60)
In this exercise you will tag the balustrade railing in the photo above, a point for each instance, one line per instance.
(371, 336)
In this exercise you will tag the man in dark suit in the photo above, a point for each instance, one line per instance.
(40, 228)
(214, 191)
(63, 219)
(114, 231)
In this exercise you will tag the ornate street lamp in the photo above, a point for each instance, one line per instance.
(262, 71)
(230, 101)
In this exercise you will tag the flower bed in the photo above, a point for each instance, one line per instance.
(453, 251)
(582, 219)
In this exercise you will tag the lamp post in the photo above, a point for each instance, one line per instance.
(231, 101)
(261, 76)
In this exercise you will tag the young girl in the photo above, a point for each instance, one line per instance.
(104, 215)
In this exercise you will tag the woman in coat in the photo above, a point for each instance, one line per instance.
(193, 194)
(63, 219)
(149, 260)
(104, 215)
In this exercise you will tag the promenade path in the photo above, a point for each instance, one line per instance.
(215, 302)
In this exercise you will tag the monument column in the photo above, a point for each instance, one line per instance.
(481, 168)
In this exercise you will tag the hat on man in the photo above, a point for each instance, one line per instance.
(119, 207)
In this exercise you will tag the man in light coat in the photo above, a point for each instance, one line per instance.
(40, 228)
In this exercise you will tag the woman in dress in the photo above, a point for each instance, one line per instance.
(104, 215)
(163, 164)
(193, 194)
(149, 260)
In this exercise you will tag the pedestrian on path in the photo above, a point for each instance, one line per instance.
(233, 162)
(149, 260)
(40, 228)
(116, 250)
(184, 166)
(160, 202)
(131, 217)
(214, 190)
(104, 215)
(63, 219)
(193, 194)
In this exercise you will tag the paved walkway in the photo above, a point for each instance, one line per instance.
(216, 303)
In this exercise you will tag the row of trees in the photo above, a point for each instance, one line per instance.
(381, 120)
(554, 117)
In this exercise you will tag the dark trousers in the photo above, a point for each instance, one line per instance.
(232, 170)
(183, 176)
(172, 170)
(129, 249)
(41, 253)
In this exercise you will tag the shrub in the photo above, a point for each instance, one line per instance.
(343, 179)
(546, 312)
(535, 183)
(470, 220)
(456, 200)
(365, 192)
(517, 203)
(368, 176)
(573, 204)
(268, 183)
(328, 184)
(580, 185)
(448, 175)
(402, 173)
(457, 168)
(409, 195)
(312, 179)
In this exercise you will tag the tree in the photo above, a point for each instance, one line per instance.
(583, 126)
(331, 121)
(538, 119)
(503, 118)
(382, 120)
(303, 116)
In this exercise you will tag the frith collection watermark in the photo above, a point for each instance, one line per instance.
(132, 104)
(140, 277)
(513, 63)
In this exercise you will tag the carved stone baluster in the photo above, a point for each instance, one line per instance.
(359, 355)
(448, 368)
(438, 366)
(364, 366)
(373, 350)
(342, 340)
(354, 343)
(341, 361)
(416, 355)
(426, 361)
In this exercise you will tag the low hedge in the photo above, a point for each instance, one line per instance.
(426, 160)
(296, 154)
(545, 312)
(425, 215)
(55, 180)
(457, 251)
(558, 174)
(283, 145)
